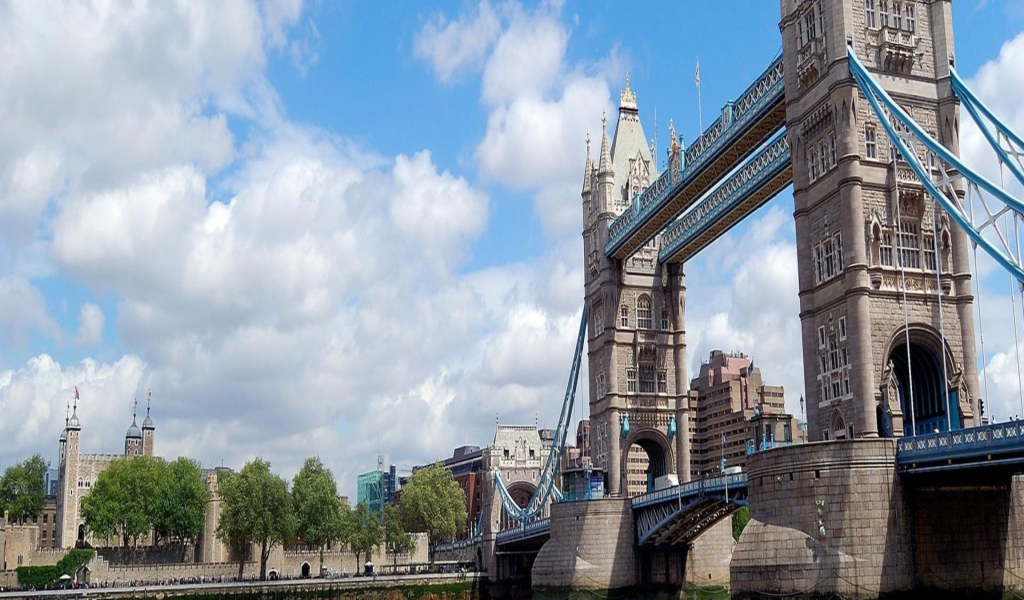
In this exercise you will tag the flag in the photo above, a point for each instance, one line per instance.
(76, 392)
(723, 439)
(697, 75)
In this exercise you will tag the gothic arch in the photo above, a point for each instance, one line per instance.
(658, 448)
(918, 374)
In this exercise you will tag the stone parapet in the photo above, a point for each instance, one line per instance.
(592, 546)
(825, 518)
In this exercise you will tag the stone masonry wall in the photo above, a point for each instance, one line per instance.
(825, 518)
(592, 546)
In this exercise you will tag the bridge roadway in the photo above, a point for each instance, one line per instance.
(744, 126)
(989, 446)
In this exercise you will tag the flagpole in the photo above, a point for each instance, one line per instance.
(700, 117)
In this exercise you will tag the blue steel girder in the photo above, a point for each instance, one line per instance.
(888, 110)
(763, 176)
(744, 126)
(673, 524)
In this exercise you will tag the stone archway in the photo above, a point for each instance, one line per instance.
(655, 460)
(305, 573)
(917, 373)
(521, 493)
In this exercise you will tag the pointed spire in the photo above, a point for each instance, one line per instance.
(73, 423)
(148, 422)
(588, 167)
(605, 166)
(627, 97)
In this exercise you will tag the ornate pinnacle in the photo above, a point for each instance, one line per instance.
(627, 97)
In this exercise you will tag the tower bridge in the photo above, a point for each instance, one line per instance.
(860, 116)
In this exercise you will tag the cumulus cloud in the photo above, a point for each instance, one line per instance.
(455, 45)
(90, 326)
(23, 310)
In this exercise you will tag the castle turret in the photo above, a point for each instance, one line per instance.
(148, 428)
(67, 479)
(133, 439)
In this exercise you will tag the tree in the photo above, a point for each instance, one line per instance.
(22, 489)
(396, 538)
(317, 506)
(433, 502)
(363, 531)
(121, 500)
(257, 510)
(180, 506)
(740, 518)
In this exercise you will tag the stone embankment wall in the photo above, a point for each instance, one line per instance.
(825, 518)
(287, 564)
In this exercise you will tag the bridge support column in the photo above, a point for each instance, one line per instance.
(826, 518)
(592, 546)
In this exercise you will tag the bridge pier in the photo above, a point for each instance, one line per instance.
(592, 546)
(825, 518)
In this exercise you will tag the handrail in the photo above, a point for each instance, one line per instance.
(692, 488)
(988, 438)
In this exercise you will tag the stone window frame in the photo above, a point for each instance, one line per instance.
(623, 316)
(870, 142)
(631, 381)
(644, 312)
(870, 16)
(664, 319)
(646, 367)
(883, 13)
(897, 14)
(832, 154)
(910, 16)
(597, 317)
(662, 381)
(601, 385)
(842, 328)
(828, 258)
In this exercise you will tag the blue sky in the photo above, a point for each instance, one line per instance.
(335, 229)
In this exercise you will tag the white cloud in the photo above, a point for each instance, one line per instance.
(23, 310)
(453, 46)
(90, 325)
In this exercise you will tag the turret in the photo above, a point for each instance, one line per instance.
(148, 428)
(133, 439)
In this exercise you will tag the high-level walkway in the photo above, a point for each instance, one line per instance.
(745, 125)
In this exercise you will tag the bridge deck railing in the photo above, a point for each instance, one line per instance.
(961, 443)
(691, 488)
(524, 531)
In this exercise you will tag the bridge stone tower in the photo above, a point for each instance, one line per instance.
(636, 336)
(875, 255)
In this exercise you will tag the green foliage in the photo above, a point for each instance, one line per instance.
(41, 577)
(37, 577)
(257, 510)
(71, 562)
(433, 502)
(740, 518)
(317, 507)
(22, 489)
(121, 501)
(180, 507)
(396, 538)
(363, 531)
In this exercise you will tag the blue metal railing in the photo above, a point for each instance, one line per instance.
(737, 117)
(962, 443)
(757, 172)
(522, 532)
(692, 488)
(765, 445)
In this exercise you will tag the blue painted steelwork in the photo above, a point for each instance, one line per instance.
(755, 102)
(758, 171)
(538, 528)
(987, 441)
(692, 489)
(976, 108)
(878, 97)
(546, 488)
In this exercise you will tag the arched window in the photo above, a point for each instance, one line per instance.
(643, 312)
